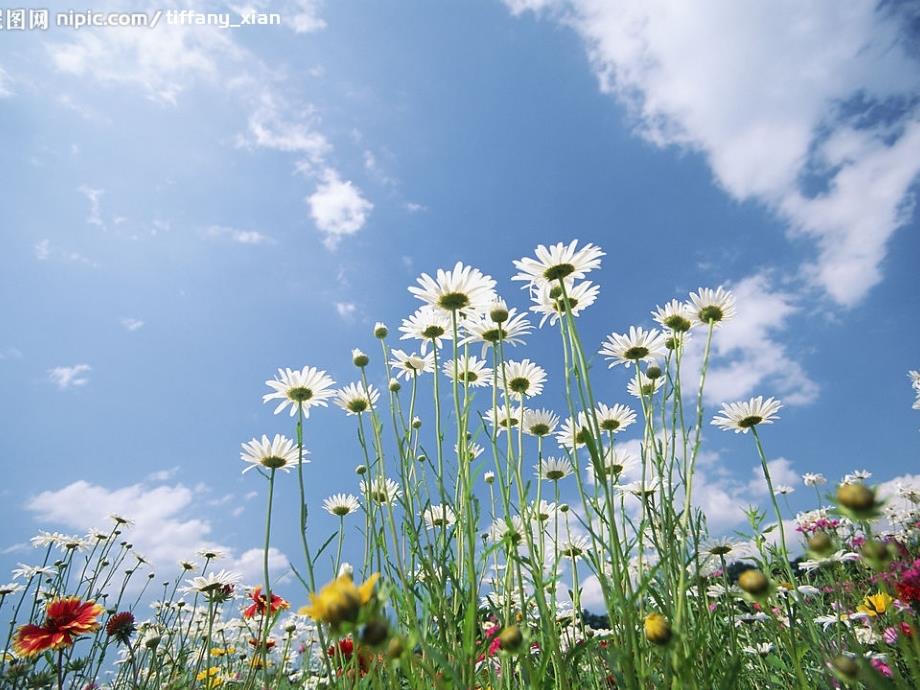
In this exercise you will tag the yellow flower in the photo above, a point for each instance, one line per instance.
(340, 601)
(222, 651)
(210, 677)
(875, 604)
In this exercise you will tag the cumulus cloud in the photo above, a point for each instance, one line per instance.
(338, 209)
(747, 352)
(166, 528)
(783, 100)
(345, 309)
(69, 377)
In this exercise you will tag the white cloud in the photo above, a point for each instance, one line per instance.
(94, 197)
(131, 324)
(345, 309)
(161, 61)
(166, 530)
(338, 208)
(10, 352)
(303, 16)
(5, 83)
(69, 377)
(747, 354)
(781, 472)
(238, 236)
(414, 207)
(45, 250)
(271, 127)
(770, 94)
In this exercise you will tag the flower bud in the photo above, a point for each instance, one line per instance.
(653, 371)
(395, 648)
(359, 358)
(845, 667)
(361, 469)
(510, 638)
(657, 629)
(375, 632)
(856, 498)
(416, 423)
(499, 311)
(394, 385)
(489, 477)
(380, 330)
(754, 582)
(820, 543)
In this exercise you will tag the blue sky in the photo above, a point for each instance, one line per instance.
(188, 208)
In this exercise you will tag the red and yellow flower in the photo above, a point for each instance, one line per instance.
(65, 620)
(258, 605)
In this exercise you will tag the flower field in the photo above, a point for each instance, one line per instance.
(472, 567)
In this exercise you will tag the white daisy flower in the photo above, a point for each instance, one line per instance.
(502, 417)
(214, 580)
(473, 450)
(740, 417)
(522, 378)
(27, 572)
(615, 418)
(301, 389)
(554, 469)
(556, 262)
(429, 325)
(463, 289)
(10, 588)
(501, 529)
(279, 453)
(574, 433)
(212, 554)
(549, 303)
(470, 370)
(341, 505)
(856, 477)
(438, 516)
(381, 490)
(354, 399)
(540, 422)
(712, 306)
(722, 546)
(783, 490)
(615, 463)
(914, 377)
(409, 365)
(45, 538)
(840, 556)
(758, 649)
(642, 489)
(636, 346)
(814, 479)
(543, 511)
(480, 328)
(121, 520)
(644, 387)
(676, 316)
(573, 547)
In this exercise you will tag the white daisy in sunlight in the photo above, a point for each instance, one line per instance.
(643, 386)
(574, 432)
(556, 262)
(409, 365)
(712, 306)
(437, 516)
(675, 316)
(212, 554)
(473, 450)
(381, 490)
(463, 289)
(783, 490)
(279, 453)
(522, 378)
(480, 328)
(914, 377)
(543, 511)
(615, 418)
(504, 529)
(341, 505)
(354, 399)
(637, 345)
(469, 370)
(615, 463)
(549, 303)
(540, 422)
(554, 469)
(814, 479)
(741, 417)
(220, 579)
(574, 546)
(503, 418)
(301, 389)
(429, 325)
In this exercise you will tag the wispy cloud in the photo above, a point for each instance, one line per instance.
(45, 251)
(782, 99)
(237, 235)
(5, 84)
(69, 377)
(10, 352)
(94, 196)
(131, 324)
(346, 310)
